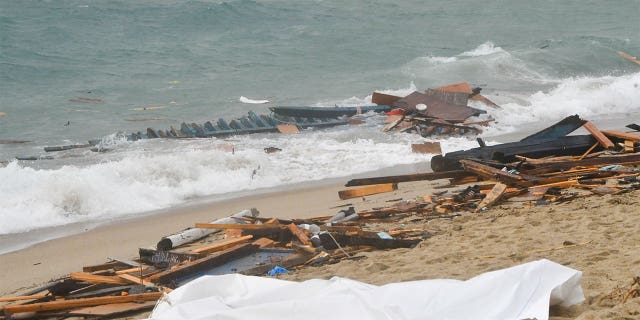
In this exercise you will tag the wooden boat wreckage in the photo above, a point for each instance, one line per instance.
(241, 243)
(541, 173)
(441, 111)
(545, 167)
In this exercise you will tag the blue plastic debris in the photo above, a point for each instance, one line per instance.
(277, 270)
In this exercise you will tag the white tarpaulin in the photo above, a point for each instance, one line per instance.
(520, 292)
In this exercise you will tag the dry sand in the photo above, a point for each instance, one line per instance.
(598, 235)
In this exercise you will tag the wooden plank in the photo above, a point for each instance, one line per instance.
(222, 245)
(629, 57)
(136, 280)
(92, 278)
(237, 226)
(288, 128)
(426, 147)
(367, 190)
(588, 151)
(304, 239)
(76, 303)
(491, 173)
(456, 174)
(110, 310)
(494, 195)
(602, 139)
(561, 184)
(208, 262)
(130, 270)
(456, 87)
(19, 298)
(622, 135)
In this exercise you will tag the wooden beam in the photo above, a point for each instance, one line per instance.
(264, 243)
(367, 190)
(494, 195)
(491, 173)
(92, 278)
(110, 310)
(299, 234)
(76, 303)
(222, 245)
(408, 178)
(18, 298)
(622, 135)
(629, 146)
(237, 226)
(602, 139)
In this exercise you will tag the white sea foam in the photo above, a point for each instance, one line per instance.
(142, 181)
(484, 49)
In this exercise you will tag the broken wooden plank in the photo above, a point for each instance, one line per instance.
(222, 245)
(304, 239)
(426, 147)
(76, 303)
(622, 135)
(92, 278)
(288, 128)
(264, 243)
(602, 139)
(367, 190)
(491, 173)
(494, 195)
(169, 277)
(629, 146)
(408, 178)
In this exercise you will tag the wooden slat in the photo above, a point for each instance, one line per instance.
(76, 303)
(494, 195)
(622, 135)
(602, 139)
(136, 269)
(222, 245)
(236, 226)
(367, 190)
(92, 278)
(299, 234)
(629, 146)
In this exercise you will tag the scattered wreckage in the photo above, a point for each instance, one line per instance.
(540, 169)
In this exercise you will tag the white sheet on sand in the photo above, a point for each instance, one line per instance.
(520, 292)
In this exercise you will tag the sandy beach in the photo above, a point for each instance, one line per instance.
(598, 235)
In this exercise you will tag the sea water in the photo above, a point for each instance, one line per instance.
(71, 71)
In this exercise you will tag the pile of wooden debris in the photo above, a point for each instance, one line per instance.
(242, 243)
(441, 111)
(548, 166)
